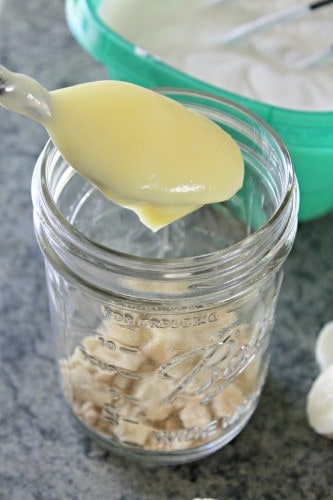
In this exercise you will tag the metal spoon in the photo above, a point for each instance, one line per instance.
(262, 23)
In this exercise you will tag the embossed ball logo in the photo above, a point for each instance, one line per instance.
(205, 371)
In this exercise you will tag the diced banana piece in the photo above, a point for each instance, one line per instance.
(85, 386)
(227, 401)
(91, 344)
(324, 346)
(76, 359)
(116, 385)
(320, 403)
(152, 390)
(90, 414)
(131, 432)
(194, 414)
(159, 413)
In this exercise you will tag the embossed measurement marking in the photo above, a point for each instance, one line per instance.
(111, 414)
(116, 395)
(106, 366)
(112, 346)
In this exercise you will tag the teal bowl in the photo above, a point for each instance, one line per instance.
(308, 135)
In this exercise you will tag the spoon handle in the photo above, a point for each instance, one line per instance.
(265, 22)
(22, 94)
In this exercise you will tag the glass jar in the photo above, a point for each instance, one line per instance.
(163, 338)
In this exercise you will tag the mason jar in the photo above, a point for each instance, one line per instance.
(162, 339)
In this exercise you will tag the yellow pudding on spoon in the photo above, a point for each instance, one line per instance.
(141, 149)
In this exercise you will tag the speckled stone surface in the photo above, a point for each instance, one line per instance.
(42, 453)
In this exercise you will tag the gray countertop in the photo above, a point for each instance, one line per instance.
(43, 455)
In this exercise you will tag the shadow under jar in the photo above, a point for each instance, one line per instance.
(163, 338)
